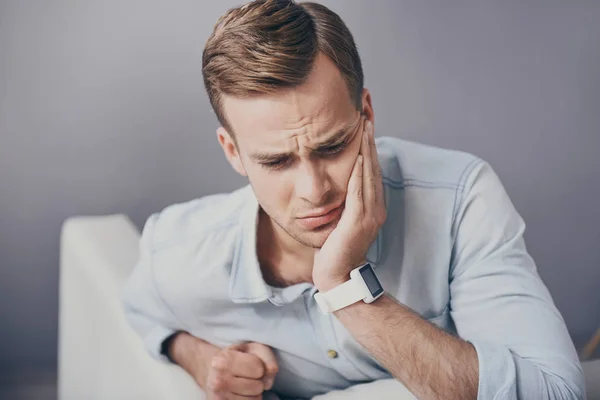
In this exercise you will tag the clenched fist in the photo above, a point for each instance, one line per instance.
(241, 371)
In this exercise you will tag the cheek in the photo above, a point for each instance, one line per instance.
(341, 169)
(272, 189)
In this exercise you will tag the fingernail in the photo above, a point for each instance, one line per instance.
(369, 126)
(360, 159)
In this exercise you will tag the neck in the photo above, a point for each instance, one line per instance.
(283, 260)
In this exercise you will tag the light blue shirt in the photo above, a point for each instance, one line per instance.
(451, 249)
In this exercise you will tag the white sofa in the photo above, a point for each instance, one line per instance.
(101, 357)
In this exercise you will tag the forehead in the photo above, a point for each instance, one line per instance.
(319, 106)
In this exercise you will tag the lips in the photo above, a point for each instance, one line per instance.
(318, 219)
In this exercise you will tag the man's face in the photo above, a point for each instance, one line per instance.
(297, 148)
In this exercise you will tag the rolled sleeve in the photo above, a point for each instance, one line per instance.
(145, 309)
(500, 304)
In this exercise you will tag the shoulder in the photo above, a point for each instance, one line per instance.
(405, 163)
(196, 221)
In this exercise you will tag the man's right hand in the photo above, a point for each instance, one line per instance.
(239, 371)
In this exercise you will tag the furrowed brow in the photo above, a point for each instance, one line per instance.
(263, 157)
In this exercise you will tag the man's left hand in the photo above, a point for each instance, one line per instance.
(363, 215)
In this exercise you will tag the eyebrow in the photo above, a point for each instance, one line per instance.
(333, 140)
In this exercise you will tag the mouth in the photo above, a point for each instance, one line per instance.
(322, 217)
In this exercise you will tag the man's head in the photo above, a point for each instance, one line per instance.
(286, 83)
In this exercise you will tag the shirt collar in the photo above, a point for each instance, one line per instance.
(246, 283)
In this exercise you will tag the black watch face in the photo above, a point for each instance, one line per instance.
(371, 280)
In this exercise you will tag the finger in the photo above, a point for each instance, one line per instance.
(222, 384)
(266, 354)
(239, 364)
(247, 387)
(377, 176)
(230, 396)
(354, 196)
(369, 193)
(233, 396)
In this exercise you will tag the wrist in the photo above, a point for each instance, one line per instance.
(331, 280)
(193, 355)
(166, 348)
(362, 285)
(328, 283)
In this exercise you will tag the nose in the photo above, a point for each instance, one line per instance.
(312, 182)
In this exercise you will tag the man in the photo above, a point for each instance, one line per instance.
(277, 286)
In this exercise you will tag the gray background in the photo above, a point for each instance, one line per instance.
(102, 110)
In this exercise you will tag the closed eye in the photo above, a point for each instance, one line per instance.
(333, 150)
(276, 164)
(329, 151)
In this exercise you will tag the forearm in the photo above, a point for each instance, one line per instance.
(193, 355)
(428, 361)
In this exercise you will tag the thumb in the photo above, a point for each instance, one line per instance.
(265, 353)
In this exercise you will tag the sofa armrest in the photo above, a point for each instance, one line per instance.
(100, 356)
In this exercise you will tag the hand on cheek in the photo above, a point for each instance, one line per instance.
(364, 213)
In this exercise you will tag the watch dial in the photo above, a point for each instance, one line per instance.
(371, 280)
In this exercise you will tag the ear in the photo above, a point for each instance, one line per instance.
(367, 106)
(231, 152)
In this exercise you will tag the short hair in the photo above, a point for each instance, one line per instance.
(268, 45)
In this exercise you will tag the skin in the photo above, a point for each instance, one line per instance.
(431, 363)
(240, 371)
(310, 178)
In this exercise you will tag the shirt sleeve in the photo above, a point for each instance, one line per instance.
(145, 309)
(500, 304)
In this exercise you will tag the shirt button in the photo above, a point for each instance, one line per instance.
(332, 354)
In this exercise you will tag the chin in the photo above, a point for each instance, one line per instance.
(315, 238)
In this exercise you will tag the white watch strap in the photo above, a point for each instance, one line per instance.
(341, 296)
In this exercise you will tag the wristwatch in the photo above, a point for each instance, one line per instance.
(363, 285)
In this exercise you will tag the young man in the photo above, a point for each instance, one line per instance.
(278, 286)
